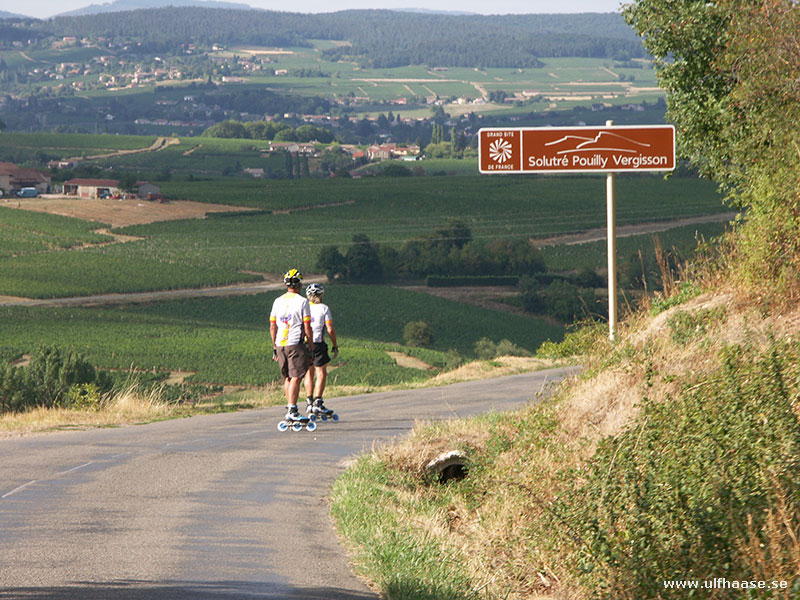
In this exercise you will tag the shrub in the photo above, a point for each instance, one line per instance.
(52, 378)
(695, 484)
(486, 349)
(395, 170)
(418, 333)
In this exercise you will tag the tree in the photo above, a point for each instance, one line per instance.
(394, 169)
(127, 181)
(730, 70)
(363, 262)
(226, 129)
(332, 262)
(418, 333)
(685, 40)
(288, 165)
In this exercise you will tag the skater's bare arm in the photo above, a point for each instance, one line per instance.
(332, 334)
(309, 335)
(273, 333)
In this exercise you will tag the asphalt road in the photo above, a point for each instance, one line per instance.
(219, 506)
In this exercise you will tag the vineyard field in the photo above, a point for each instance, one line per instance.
(226, 340)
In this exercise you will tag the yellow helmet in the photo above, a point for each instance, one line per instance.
(293, 278)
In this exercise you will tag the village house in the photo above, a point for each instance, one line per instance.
(378, 152)
(14, 178)
(62, 164)
(294, 147)
(387, 151)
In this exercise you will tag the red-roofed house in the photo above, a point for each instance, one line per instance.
(14, 178)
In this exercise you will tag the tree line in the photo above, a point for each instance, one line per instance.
(380, 38)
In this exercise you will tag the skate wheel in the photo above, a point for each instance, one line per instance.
(311, 426)
(297, 426)
(334, 417)
(313, 417)
(283, 426)
(324, 417)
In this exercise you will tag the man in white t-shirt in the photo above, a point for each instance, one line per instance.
(289, 322)
(321, 321)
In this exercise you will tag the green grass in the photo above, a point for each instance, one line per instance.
(405, 564)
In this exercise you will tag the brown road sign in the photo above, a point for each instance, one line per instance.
(608, 149)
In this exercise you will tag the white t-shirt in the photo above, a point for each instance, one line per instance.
(320, 317)
(290, 311)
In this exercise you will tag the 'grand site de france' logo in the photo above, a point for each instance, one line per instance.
(500, 151)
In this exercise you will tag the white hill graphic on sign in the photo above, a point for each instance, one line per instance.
(604, 140)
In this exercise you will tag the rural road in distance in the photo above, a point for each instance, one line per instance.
(215, 506)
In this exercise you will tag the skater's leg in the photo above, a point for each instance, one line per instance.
(292, 390)
(319, 384)
(309, 381)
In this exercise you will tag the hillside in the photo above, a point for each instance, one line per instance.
(380, 38)
(124, 5)
(684, 435)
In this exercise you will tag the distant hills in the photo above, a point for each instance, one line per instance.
(4, 14)
(124, 5)
(375, 38)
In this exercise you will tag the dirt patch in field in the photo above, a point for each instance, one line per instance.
(483, 296)
(11, 299)
(288, 211)
(23, 361)
(178, 377)
(403, 360)
(600, 233)
(121, 213)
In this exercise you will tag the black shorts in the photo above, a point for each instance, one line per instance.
(320, 356)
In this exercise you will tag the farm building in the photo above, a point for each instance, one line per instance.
(293, 147)
(145, 189)
(91, 188)
(14, 178)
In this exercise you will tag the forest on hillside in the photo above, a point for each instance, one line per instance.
(377, 38)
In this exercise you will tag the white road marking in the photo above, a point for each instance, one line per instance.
(15, 490)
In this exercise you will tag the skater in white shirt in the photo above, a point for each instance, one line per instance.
(289, 322)
(317, 374)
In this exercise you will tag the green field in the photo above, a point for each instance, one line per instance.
(226, 340)
(224, 249)
(560, 79)
(41, 147)
(28, 232)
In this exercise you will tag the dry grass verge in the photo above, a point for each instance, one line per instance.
(516, 527)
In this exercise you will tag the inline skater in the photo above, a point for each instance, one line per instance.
(289, 321)
(317, 374)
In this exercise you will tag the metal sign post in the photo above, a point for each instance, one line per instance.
(611, 219)
(606, 149)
